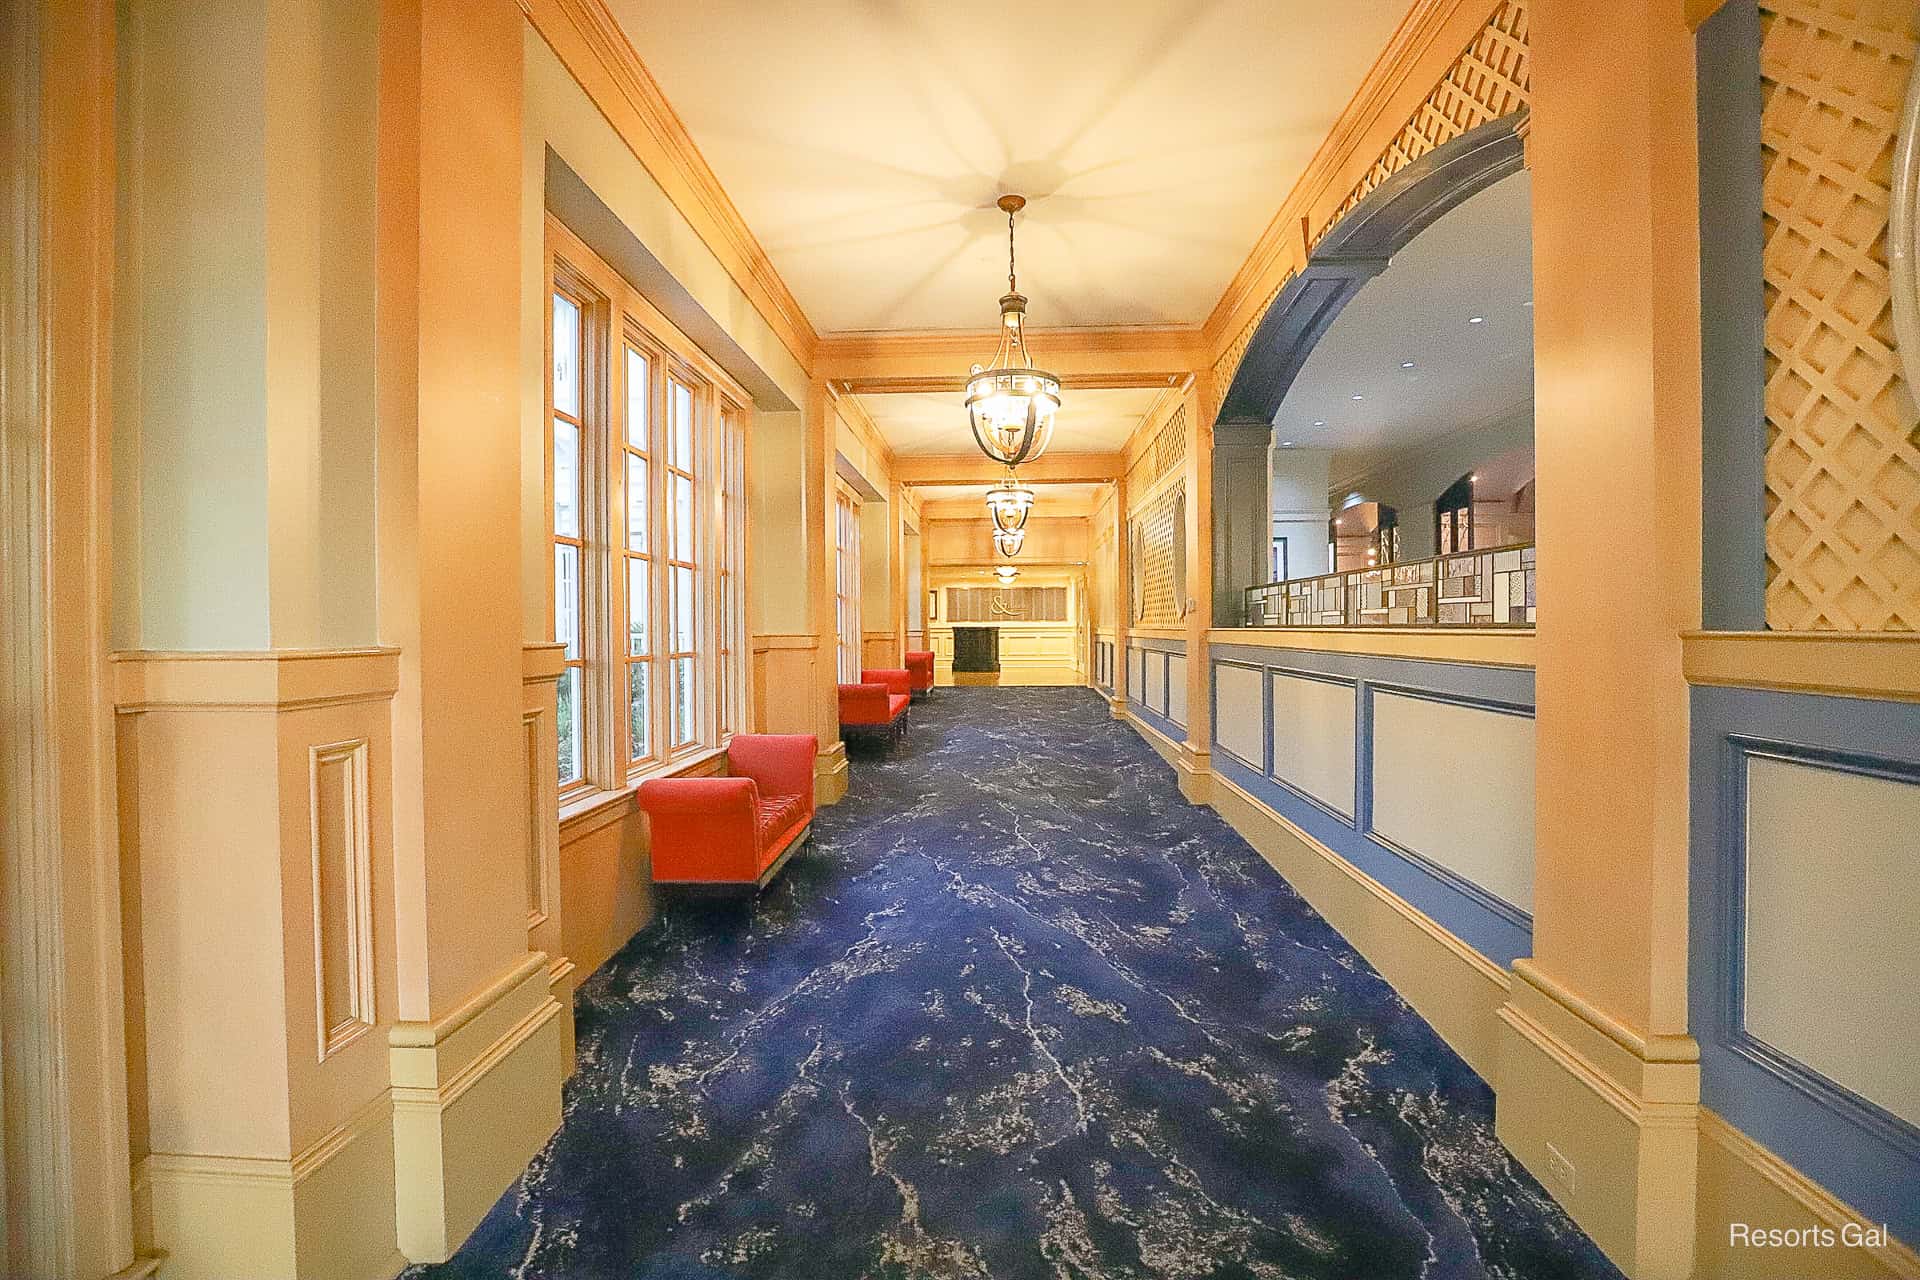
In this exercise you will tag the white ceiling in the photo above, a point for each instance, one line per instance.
(1096, 421)
(865, 142)
(1475, 261)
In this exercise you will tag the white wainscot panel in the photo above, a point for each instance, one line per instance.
(1156, 682)
(1136, 672)
(1455, 785)
(1177, 689)
(1832, 951)
(1239, 718)
(1313, 738)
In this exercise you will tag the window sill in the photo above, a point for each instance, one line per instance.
(589, 811)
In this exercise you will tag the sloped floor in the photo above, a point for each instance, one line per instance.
(1019, 1011)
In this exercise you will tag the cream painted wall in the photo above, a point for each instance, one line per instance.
(1832, 957)
(957, 542)
(1313, 738)
(245, 383)
(1240, 722)
(776, 582)
(1299, 496)
(1412, 482)
(1455, 784)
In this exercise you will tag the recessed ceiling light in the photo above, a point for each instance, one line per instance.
(1476, 319)
(1406, 364)
(1358, 396)
(1286, 444)
(1319, 422)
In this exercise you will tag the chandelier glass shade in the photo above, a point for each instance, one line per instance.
(1009, 502)
(1010, 403)
(1009, 541)
(1005, 574)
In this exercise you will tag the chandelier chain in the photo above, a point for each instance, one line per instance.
(1011, 287)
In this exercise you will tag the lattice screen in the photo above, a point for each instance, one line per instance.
(1158, 543)
(1843, 451)
(1164, 455)
(1491, 78)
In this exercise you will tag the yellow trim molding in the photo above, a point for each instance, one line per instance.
(1743, 1182)
(1853, 664)
(1481, 648)
(268, 679)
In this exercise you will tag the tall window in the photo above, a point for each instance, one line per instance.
(730, 560)
(683, 564)
(649, 531)
(846, 583)
(570, 312)
(636, 447)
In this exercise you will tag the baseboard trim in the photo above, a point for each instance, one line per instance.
(328, 1210)
(475, 1096)
(1891, 1261)
(830, 778)
(1455, 988)
(1571, 1094)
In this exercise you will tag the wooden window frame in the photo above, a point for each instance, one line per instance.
(846, 583)
(623, 323)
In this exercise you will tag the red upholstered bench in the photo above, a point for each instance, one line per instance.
(736, 830)
(920, 667)
(878, 702)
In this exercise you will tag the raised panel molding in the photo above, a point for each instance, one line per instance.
(539, 819)
(342, 857)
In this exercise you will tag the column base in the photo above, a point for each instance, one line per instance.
(475, 1096)
(1606, 1119)
(1194, 769)
(328, 1211)
(830, 774)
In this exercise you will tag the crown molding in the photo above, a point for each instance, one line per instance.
(863, 425)
(1109, 356)
(914, 469)
(591, 45)
(1417, 55)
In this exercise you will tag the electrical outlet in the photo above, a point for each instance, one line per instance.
(1560, 1169)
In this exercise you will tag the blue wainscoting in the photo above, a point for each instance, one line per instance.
(1488, 921)
(1103, 665)
(1150, 673)
(1867, 752)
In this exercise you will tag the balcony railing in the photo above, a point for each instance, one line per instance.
(1492, 587)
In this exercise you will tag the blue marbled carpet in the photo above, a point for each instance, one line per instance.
(1018, 1011)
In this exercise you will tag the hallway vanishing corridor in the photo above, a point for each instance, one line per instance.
(1019, 1010)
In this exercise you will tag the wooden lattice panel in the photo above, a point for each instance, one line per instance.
(1490, 79)
(1843, 451)
(1157, 548)
(1160, 458)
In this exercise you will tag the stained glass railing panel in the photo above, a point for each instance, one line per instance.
(1491, 587)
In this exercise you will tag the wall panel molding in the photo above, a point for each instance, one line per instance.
(1860, 1150)
(339, 804)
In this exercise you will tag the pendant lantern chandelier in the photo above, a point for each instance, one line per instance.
(1011, 404)
(1009, 541)
(1009, 502)
(1005, 574)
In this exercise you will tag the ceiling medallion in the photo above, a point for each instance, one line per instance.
(1009, 541)
(1009, 502)
(1011, 404)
